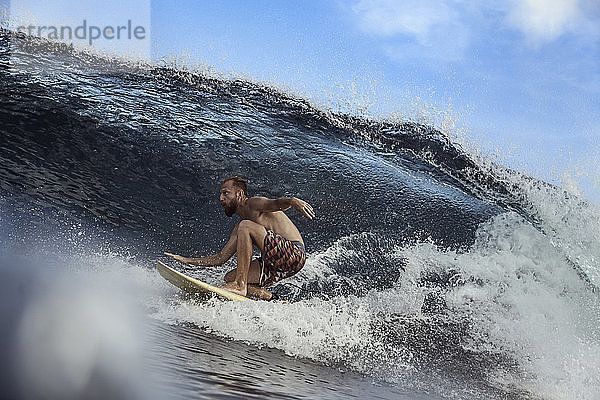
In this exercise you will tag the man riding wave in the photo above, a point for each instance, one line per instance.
(264, 225)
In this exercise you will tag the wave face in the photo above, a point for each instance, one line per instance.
(428, 268)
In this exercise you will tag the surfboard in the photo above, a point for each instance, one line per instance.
(195, 286)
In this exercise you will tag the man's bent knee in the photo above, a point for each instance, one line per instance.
(246, 225)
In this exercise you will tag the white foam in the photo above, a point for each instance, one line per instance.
(81, 332)
(525, 301)
(521, 299)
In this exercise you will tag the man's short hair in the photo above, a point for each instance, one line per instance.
(239, 183)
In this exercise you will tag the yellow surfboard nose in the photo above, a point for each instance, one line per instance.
(192, 285)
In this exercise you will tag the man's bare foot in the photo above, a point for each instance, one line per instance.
(234, 287)
(259, 292)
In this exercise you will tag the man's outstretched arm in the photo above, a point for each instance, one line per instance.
(216, 259)
(281, 204)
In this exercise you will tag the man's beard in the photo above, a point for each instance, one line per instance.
(229, 210)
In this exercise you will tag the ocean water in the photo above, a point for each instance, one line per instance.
(432, 273)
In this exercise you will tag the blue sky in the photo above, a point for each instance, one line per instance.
(517, 78)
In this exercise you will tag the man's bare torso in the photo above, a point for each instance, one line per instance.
(277, 222)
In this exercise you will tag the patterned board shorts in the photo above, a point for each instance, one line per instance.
(280, 259)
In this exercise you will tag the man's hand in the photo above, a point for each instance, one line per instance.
(178, 258)
(303, 207)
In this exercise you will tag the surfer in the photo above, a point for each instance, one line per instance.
(264, 225)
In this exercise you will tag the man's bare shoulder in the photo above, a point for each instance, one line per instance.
(257, 202)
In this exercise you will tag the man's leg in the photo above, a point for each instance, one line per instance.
(248, 232)
(253, 281)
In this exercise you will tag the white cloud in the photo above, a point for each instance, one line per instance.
(545, 20)
(433, 25)
(390, 17)
(445, 28)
